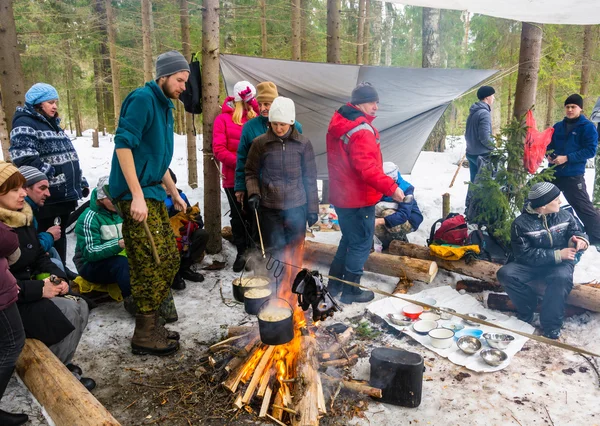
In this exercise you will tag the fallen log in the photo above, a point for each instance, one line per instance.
(582, 295)
(306, 390)
(395, 266)
(501, 302)
(355, 386)
(65, 399)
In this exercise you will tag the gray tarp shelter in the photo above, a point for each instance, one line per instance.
(411, 100)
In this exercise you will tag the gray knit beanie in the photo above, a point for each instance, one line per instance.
(364, 93)
(32, 175)
(542, 193)
(169, 63)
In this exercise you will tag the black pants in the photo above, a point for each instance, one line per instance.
(243, 223)
(12, 339)
(575, 191)
(281, 228)
(198, 241)
(515, 278)
(45, 218)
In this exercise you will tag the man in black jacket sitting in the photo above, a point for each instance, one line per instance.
(546, 244)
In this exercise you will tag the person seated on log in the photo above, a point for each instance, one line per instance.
(12, 335)
(546, 244)
(37, 188)
(395, 220)
(191, 237)
(48, 313)
(281, 177)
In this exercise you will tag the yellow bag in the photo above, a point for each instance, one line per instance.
(451, 252)
(112, 289)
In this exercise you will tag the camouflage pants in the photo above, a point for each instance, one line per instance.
(150, 283)
(387, 235)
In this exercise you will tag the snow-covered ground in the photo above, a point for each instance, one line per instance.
(542, 385)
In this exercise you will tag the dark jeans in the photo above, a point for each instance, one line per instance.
(114, 269)
(281, 228)
(515, 278)
(242, 221)
(199, 239)
(357, 226)
(473, 166)
(45, 218)
(575, 191)
(12, 339)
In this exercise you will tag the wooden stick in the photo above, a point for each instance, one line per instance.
(306, 398)
(460, 163)
(277, 413)
(262, 246)
(445, 204)
(322, 407)
(265, 402)
(236, 375)
(236, 330)
(287, 410)
(403, 286)
(238, 402)
(267, 380)
(351, 360)
(355, 386)
(151, 240)
(340, 340)
(258, 371)
(219, 346)
(276, 421)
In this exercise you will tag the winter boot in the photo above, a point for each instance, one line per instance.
(351, 294)
(165, 332)
(178, 282)
(12, 419)
(147, 339)
(334, 286)
(240, 261)
(191, 275)
(167, 309)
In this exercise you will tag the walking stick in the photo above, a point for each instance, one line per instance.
(460, 163)
(262, 246)
(151, 240)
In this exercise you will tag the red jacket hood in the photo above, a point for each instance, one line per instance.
(347, 118)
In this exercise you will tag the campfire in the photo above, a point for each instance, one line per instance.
(282, 382)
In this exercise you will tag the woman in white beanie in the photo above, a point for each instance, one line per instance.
(281, 177)
(227, 130)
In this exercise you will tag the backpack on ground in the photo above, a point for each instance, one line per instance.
(490, 248)
(452, 230)
(192, 96)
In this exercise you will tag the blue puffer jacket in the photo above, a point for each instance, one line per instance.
(39, 142)
(579, 145)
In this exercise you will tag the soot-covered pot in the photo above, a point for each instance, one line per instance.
(254, 298)
(242, 284)
(276, 322)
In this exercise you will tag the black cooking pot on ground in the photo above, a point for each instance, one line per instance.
(276, 322)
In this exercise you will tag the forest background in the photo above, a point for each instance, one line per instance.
(69, 43)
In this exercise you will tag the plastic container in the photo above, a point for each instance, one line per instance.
(399, 374)
(276, 322)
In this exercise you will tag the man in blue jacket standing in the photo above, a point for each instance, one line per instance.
(479, 129)
(143, 152)
(575, 139)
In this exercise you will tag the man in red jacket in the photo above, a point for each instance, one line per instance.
(356, 183)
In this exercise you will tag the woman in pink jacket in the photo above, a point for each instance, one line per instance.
(227, 130)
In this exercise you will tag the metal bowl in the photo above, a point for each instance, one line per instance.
(478, 316)
(469, 344)
(453, 326)
(448, 314)
(498, 340)
(493, 357)
(399, 320)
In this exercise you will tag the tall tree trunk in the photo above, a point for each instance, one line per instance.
(304, 5)
(210, 102)
(367, 37)
(99, 101)
(586, 59)
(376, 45)
(263, 27)
(509, 103)
(529, 65)
(12, 83)
(105, 72)
(72, 93)
(114, 66)
(192, 156)
(390, 16)
(296, 31)
(497, 110)
(467, 20)
(431, 58)
(360, 35)
(147, 38)
(333, 32)
(4, 135)
(550, 104)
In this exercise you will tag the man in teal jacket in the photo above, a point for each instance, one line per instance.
(143, 152)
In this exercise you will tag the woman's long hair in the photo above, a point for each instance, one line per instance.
(16, 180)
(38, 108)
(238, 114)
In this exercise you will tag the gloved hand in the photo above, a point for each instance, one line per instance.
(246, 94)
(85, 191)
(254, 201)
(312, 218)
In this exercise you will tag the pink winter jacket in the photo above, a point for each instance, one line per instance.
(226, 138)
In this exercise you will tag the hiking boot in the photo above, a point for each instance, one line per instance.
(89, 384)
(351, 294)
(75, 369)
(148, 339)
(189, 274)
(239, 263)
(12, 419)
(165, 332)
(552, 334)
(178, 282)
(130, 305)
(167, 309)
(334, 287)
